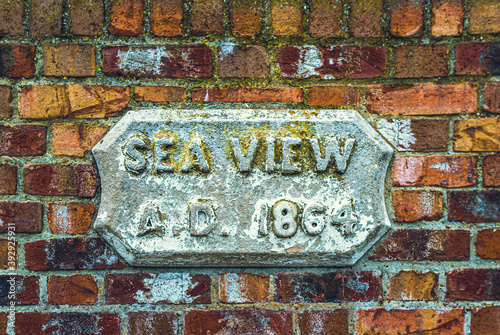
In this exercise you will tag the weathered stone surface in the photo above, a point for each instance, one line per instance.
(197, 188)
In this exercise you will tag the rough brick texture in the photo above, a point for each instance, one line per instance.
(425, 60)
(324, 19)
(477, 135)
(5, 102)
(25, 140)
(491, 170)
(87, 17)
(473, 284)
(11, 16)
(8, 179)
(238, 322)
(166, 17)
(411, 206)
(8, 254)
(333, 95)
(27, 290)
(146, 323)
(248, 94)
(474, 206)
(46, 17)
(286, 17)
(71, 60)
(477, 58)
(484, 17)
(125, 17)
(75, 139)
(407, 17)
(78, 180)
(243, 287)
(207, 17)
(242, 61)
(329, 287)
(70, 254)
(365, 18)
(413, 285)
(492, 96)
(324, 322)
(447, 17)
(27, 217)
(142, 288)
(485, 320)
(424, 244)
(17, 60)
(246, 17)
(72, 290)
(488, 244)
(70, 217)
(160, 93)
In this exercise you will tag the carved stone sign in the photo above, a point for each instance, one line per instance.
(242, 187)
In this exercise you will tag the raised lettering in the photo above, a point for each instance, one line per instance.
(161, 154)
(344, 217)
(150, 220)
(314, 219)
(138, 163)
(195, 150)
(285, 218)
(201, 218)
(270, 164)
(244, 161)
(332, 149)
(261, 217)
(288, 155)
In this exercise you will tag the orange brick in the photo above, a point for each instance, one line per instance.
(444, 171)
(5, 102)
(160, 93)
(488, 244)
(491, 170)
(413, 285)
(248, 94)
(484, 16)
(286, 17)
(407, 17)
(70, 217)
(8, 261)
(422, 99)
(75, 139)
(78, 101)
(485, 321)
(246, 17)
(477, 135)
(126, 17)
(166, 17)
(325, 17)
(243, 287)
(71, 60)
(447, 17)
(333, 95)
(72, 290)
(411, 206)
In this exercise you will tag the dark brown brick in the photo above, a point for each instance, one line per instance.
(424, 245)
(488, 244)
(333, 95)
(207, 17)
(491, 97)
(5, 102)
(23, 140)
(69, 60)
(125, 17)
(238, 322)
(150, 322)
(67, 323)
(477, 58)
(8, 179)
(27, 290)
(11, 16)
(474, 206)
(407, 17)
(140, 288)
(411, 206)
(166, 17)
(46, 17)
(72, 290)
(324, 322)
(246, 17)
(425, 60)
(78, 180)
(324, 18)
(27, 217)
(3, 322)
(70, 254)
(329, 287)
(491, 170)
(242, 61)
(485, 320)
(87, 17)
(473, 284)
(365, 18)
(17, 60)
(248, 94)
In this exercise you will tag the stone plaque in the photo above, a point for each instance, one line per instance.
(242, 187)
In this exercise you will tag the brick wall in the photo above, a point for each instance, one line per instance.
(425, 74)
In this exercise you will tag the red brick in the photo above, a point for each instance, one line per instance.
(160, 93)
(243, 287)
(473, 284)
(491, 170)
(407, 17)
(27, 290)
(67, 323)
(72, 290)
(424, 60)
(424, 245)
(242, 61)
(141, 288)
(485, 320)
(3, 323)
(491, 96)
(5, 102)
(238, 322)
(333, 95)
(477, 58)
(415, 134)
(8, 179)
(77, 180)
(324, 322)
(447, 17)
(488, 244)
(413, 285)
(422, 99)
(46, 17)
(248, 94)
(246, 17)
(341, 61)
(8, 254)
(411, 206)
(71, 101)
(474, 206)
(166, 17)
(325, 17)
(167, 61)
(444, 171)
(11, 16)
(484, 16)
(286, 17)
(70, 254)
(328, 287)
(406, 321)
(477, 135)
(27, 217)
(150, 322)
(75, 139)
(125, 17)
(365, 18)
(17, 60)
(70, 60)
(70, 217)
(207, 17)
(87, 17)
(23, 140)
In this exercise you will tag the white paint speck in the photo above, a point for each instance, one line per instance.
(441, 166)
(226, 49)
(149, 60)
(310, 60)
(398, 132)
(171, 287)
